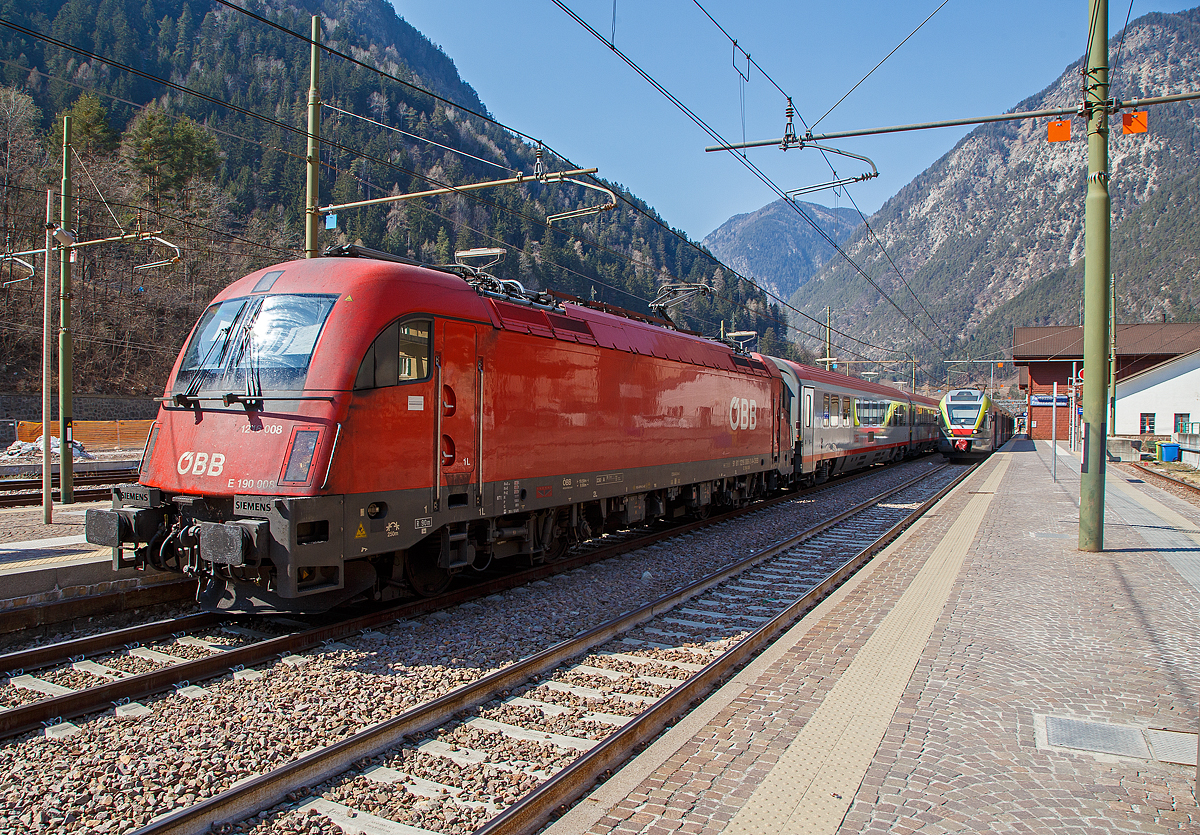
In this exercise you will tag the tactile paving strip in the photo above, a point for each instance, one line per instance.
(812, 785)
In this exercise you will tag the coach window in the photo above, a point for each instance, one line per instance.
(845, 411)
(834, 408)
(398, 355)
(825, 412)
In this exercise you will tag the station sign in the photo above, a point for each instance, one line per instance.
(1048, 400)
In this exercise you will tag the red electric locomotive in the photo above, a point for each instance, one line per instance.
(348, 426)
(338, 426)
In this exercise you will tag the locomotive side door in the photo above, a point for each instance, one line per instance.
(458, 402)
(804, 438)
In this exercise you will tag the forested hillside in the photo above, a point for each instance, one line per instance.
(216, 164)
(991, 235)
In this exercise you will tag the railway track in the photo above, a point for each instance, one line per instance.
(515, 746)
(19, 492)
(81, 676)
(1174, 482)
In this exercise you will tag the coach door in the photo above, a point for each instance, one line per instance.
(805, 444)
(458, 412)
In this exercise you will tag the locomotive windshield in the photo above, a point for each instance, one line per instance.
(962, 415)
(259, 343)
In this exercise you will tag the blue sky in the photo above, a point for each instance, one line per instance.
(539, 71)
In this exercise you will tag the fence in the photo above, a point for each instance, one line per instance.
(94, 434)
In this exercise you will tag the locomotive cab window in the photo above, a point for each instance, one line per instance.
(398, 355)
(267, 341)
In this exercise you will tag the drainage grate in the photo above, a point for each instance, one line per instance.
(1173, 746)
(1096, 736)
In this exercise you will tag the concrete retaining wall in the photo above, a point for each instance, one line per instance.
(1189, 449)
(19, 406)
(1124, 449)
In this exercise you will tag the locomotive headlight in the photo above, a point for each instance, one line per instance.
(376, 509)
(299, 463)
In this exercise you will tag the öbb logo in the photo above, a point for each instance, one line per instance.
(200, 463)
(743, 413)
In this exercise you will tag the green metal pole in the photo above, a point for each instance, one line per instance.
(1112, 357)
(47, 351)
(1097, 216)
(313, 157)
(65, 412)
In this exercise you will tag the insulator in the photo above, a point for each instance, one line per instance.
(789, 130)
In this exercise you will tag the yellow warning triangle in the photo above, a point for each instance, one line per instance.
(361, 534)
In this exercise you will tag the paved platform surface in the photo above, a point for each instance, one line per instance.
(38, 562)
(980, 675)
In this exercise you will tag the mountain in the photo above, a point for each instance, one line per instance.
(189, 119)
(777, 247)
(991, 235)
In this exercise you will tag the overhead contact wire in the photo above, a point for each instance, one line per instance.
(743, 160)
(825, 156)
(630, 204)
(880, 64)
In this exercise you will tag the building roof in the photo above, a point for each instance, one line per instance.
(1065, 342)
(1157, 367)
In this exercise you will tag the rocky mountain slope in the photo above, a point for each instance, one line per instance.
(991, 235)
(777, 247)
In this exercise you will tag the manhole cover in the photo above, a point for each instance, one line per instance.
(1173, 746)
(1096, 736)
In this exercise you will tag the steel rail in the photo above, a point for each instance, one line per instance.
(95, 477)
(540, 806)
(78, 648)
(1175, 481)
(92, 494)
(269, 789)
(31, 717)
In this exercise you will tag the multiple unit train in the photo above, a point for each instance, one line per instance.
(972, 424)
(356, 427)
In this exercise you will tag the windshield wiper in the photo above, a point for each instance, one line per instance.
(187, 397)
(245, 361)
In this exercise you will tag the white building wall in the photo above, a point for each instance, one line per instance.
(1171, 388)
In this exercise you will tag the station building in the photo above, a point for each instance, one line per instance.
(1158, 387)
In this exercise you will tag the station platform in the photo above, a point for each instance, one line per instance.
(979, 675)
(42, 563)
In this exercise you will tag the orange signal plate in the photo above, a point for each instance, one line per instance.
(1135, 122)
(1059, 131)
